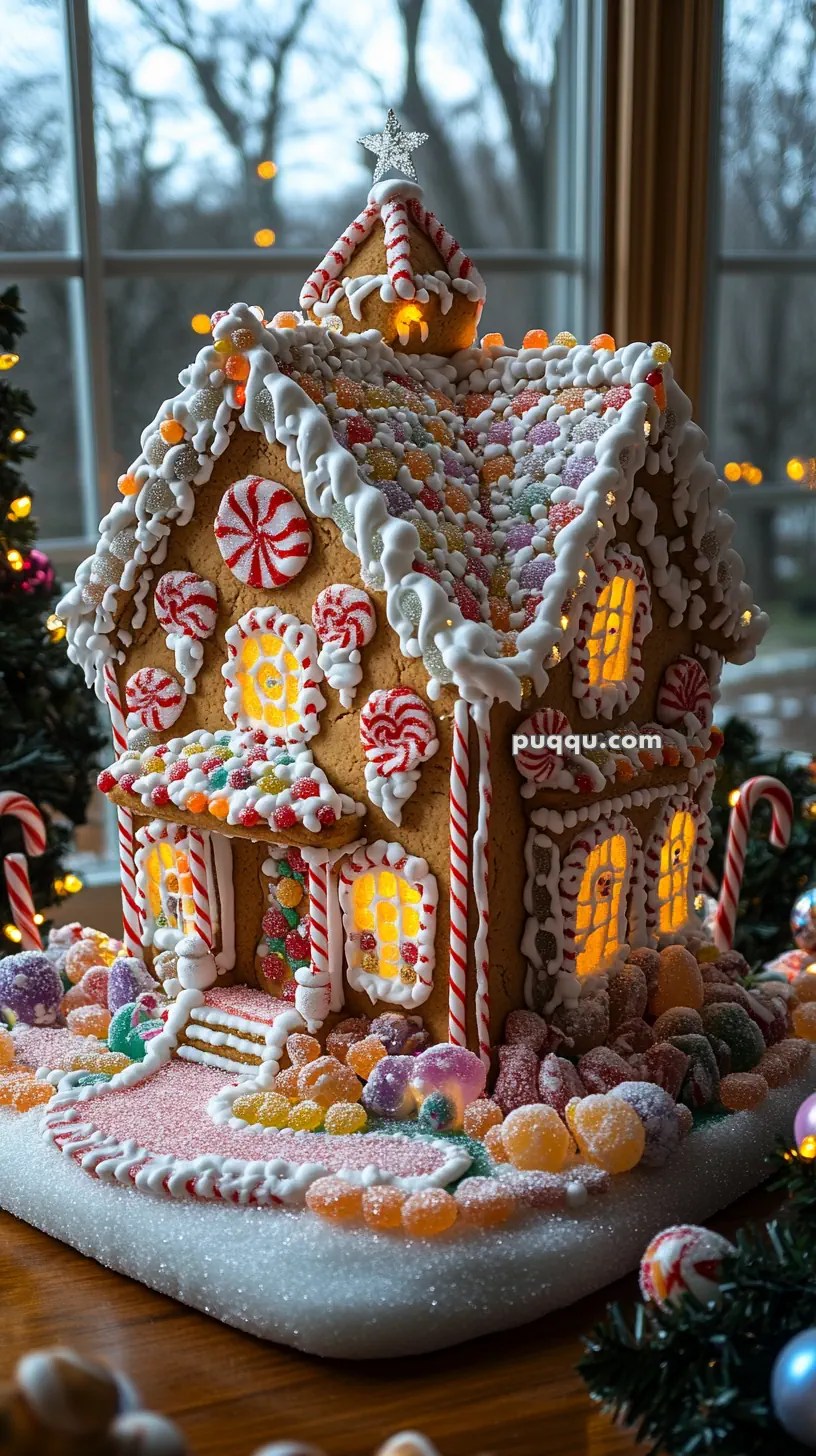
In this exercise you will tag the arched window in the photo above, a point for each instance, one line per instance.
(609, 645)
(675, 856)
(165, 885)
(272, 676)
(606, 659)
(601, 889)
(389, 916)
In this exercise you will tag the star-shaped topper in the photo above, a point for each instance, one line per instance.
(393, 147)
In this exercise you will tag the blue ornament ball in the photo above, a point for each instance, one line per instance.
(803, 920)
(793, 1388)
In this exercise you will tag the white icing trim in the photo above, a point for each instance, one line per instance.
(297, 639)
(382, 988)
(610, 698)
(654, 846)
(552, 923)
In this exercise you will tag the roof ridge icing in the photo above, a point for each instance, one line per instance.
(574, 425)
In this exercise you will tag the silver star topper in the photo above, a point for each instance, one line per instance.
(393, 147)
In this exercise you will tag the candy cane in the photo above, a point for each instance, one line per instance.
(318, 917)
(131, 917)
(781, 823)
(457, 979)
(196, 856)
(480, 714)
(15, 866)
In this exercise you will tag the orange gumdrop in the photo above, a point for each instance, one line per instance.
(196, 803)
(419, 464)
(237, 367)
(494, 1142)
(89, 1020)
(328, 1081)
(479, 1117)
(287, 1081)
(382, 1206)
(484, 1202)
(497, 467)
(6, 1048)
(602, 341)
(171, 431)
(536, 339)
(302, 1049)
(804, 1020)
(428, 1213)
(364, 1055)
(335, 1199)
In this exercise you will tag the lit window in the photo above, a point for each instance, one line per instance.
(607, 669)
(166, 889)
(675, 867)
(389, 916)
(272, 676)
(600, 915)
(610, 641)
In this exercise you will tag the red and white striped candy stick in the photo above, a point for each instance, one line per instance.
(15, 866)
(480, 712)
(318, 917)
(196, 856)
(131, 916)
(457, 980)
(781, 803)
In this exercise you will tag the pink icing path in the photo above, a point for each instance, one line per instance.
(245, 1001)
(167, 1114)
(51, 1046)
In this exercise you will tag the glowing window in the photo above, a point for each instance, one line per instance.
(168, 888)
(272, 676)
(386, 906)
(600, 912)
(610, 641)
(389, 917)
(676, 857)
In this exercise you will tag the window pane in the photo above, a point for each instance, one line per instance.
(45, 370)
(194, 96)
(34, 173)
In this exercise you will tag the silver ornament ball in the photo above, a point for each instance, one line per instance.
(793, 1388)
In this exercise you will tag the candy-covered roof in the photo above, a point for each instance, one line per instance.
(478, 491)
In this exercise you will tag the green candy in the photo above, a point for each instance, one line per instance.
(731, 1023)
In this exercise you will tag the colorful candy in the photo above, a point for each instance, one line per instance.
(345, 1117)
(307, 1116)
(302, 1049)
(732, 1024)
(30, 988)
(658, 1113)
(452, 1070)
(328, 1081)
(154, 699)
(480, 1116)
(701, 1083)
(683, 1260)
(540, 764)
(335, 1199)
(485, 1202)
(559, 1082)
(608, 1132)
(343, 616)
(679, 982)
(21, 1091)
(517, 1082)
(679, 1021)
(804, 1020)
(382, 1207)
(602, 1069)
(396, 1031)
(127, 978)
(536, 1139)
(388, 1091)
(7, 1048)
(79, 958)
(429, 1213)
(363, 1056)
(345, 1034)
(628, 995)
(262, 533)
(397, 731)
(90, 1020)
(741, 1090)
(186, 605)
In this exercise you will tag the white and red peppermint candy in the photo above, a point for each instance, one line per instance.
(154, 699)
(344, 616)
(397, 731)
(262, 532)
(539, 764)
(685, 689)
(186, 605)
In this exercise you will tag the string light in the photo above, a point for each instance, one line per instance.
(55, 627)
(20, 508)
(72, 884)
(38, 918)
(795, 469)
(732, 471)
(15, 560)
(8, 361)
(58, 887)
(807, 1148)
(200, 323)
(17, 436)
(747, 618)
(734, 798)
(267, 170)
(12, 933)
(264, 238)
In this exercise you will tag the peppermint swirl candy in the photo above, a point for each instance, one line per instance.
(537, 763)
(343, 616)
(186, 605)
(262, 532)
(685, 689)
(154, 699)
(397, 731)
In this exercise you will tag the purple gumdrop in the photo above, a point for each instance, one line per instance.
(394, 1029)
(543, 433)
(30, 988)
(519, 536)
(452, 465)
(576, 469)
(387, 1093)
(397, 500)
(805, 1124)
(398, 431)
(658, 1113)
(127, 978)
(533, 576)
(500, 432)
(449, 1069)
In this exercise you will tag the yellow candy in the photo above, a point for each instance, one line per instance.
(804, 987)
(248, 1107)
(484, 1202)
(480, 1117)
(306, 1116)
(679, 982)
(661, 353)
(335, 1199)
(608, 1131)
(707, 954)
(382, 464)
(289, 893)
(345, 1117)
(270, 783)
(302, 1049)
(270, 1109)
(328, 1081)
(804, 1020)
(364, 1055)
(153, 765)
(93, 1061)
(431, 1212)
(494, 1142)
(6, 1048)
(568, 340)
(536, 1139)
(382, 1207)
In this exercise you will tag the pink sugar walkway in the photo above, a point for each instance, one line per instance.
(51, 1046)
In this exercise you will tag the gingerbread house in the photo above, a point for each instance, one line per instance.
(411, 647)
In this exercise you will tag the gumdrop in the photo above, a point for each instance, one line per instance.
(302, 1049)
(679, 981)
(335, 1199)
(517, 1082)
(24, 1092)
(778, 1027)
(269, 1109)
(526, 1028)
(388, 1092)
(796, 1051)
(438, 1113)
(394, 1030)
(804, 1020)
(658, 1113)
(485, 1202)
(89, 1021)
(286, 1082)
(628, 995)
(602, 1069)
(127, 977)
(453, 1070)
(80, 957)
(382, 1206)
(736, 995)
(775, 1069)
(536, 1139)
(99, 1061)
(804, 986)
(345, 1117)
(585, 1025)
(364, 1055)
(480, 1116)
(429, 1213)
(732, 1024)
(732, 965)
(30, 988)
(94, 986)
(538, 1190)
(685, 1118)
(328, 1081)
(494, 1142)
(680, 1021)
(722, 1053)
(306, 1116)
(743, 1090)
(130, 1027)
(701, 1084)
(608, 1131)
(559, 1082)
(667, 1065)
(632, 1037)
(345, 1034)
(649, 962)
(7, 1049)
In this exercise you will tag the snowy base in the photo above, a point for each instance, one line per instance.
(289, 1277)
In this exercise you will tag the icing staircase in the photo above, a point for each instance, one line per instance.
(234, 1029)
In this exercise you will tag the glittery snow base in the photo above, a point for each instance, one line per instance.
(333, 1292)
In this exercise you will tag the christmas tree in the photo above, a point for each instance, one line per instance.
(49, 730)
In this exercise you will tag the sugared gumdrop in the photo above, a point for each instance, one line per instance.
(345, 1117)
(327, 1081)
(559, 1082)
(775, 1069)
(494, 1142)
(30, 988)
(585, 1025)
(485, 1202)
(91, 1020)
(633, 1036)
(345, 1034)
(679, 982)
(667, 1066)
(21, 1091)
(335, 1199)
(658, 1113)
(6, 1048)
(649, 962)
(382, 1206)
(388, 1092)
(437, 1113)
(608, 1131)
(450, 1069)
(701, 1084)
(743, 1090)
(429, 1213)
(526, 1028)
(602, 1069)
(804, 1020)
(364, 1055)
(394, 1030)
(796, 1051)
(480, 1116)
(127, 978)
(306, 1116)
(79, 958)
(732, 1024)
(94, 985)
(536, 1139)
(302, 1049)
(517, 1082)
(679, 1021)
(628, 995)
(722, 1054)
(286, 1082)
(539, 1190)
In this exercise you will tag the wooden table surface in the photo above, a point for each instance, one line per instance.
(514, 1394)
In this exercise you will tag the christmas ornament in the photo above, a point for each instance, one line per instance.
(803, 920)
(393, 147)
(793, 1388)
(804, 1128)
(682, 1260)
(706, 908)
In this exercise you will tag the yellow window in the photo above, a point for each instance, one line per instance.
(268, 676)
(387, 906)
(600, 916)
(609, 645)
(169, 886)
(676, 855)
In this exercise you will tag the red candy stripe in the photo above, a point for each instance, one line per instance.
(262, 533)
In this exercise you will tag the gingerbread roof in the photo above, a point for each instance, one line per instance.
(479, 492)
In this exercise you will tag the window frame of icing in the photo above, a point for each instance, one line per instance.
(375, 859)
(150, 838)
(630, 900)
(681, 803)
(299, 640)
(552, 923)
(606, 698)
